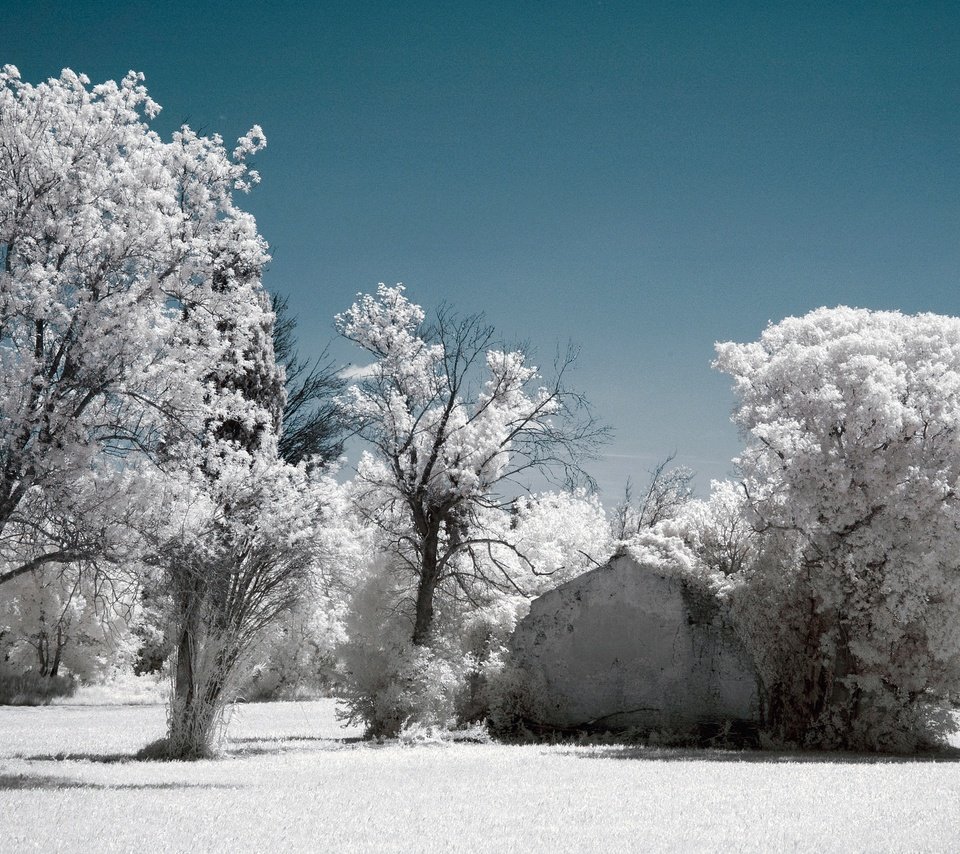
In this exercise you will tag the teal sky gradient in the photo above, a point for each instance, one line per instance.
(641, 178)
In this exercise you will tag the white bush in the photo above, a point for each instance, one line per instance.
(65, 622)
(851, 474)
(386, 681)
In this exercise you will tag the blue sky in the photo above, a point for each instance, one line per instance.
(641, 178)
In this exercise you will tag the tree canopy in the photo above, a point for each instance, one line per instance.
(117, 249)
(451, 420)
(851, 419)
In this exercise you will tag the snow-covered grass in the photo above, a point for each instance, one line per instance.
(293, 780)
(122, 689)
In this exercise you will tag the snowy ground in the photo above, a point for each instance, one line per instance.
(293, 780)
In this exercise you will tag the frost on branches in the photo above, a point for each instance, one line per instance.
(453, 426)
(390, 683)
(851, 474)
(451, 420)
(109, 237)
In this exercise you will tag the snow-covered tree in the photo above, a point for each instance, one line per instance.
(134, 326)
(68, 620)
(108, 238)
(852, 461)
(452, 422)
(667, 492)
(239, 552)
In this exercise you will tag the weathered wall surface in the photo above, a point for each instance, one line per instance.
(630, 645)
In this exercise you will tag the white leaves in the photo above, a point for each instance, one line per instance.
(865, 402)
(250, 143)
(131, 288)
(561, 534)
(455, 448)
(852, 421)
(388, 326)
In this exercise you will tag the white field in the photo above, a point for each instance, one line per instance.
(291, 779)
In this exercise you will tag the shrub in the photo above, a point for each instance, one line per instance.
(509, 703)
(390, 683)
(397, 684)
(806, 704)
(295, 658)
(30, 688)
(851, 473)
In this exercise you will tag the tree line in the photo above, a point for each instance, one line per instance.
(173, 492)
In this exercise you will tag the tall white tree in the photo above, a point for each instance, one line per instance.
(852, 420)
(452, 423)
(108, 238)
(134, 326)
(240, 551)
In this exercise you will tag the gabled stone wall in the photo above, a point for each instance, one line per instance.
(633, 645)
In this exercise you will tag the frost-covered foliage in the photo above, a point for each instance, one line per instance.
(663, 549)
(560, 534)
(78, 615)
(666, 494)
(450, 419)
(390, 683)
(107, 234)
(67, 621)
(718, 530)
(294, 657)
(850, 475)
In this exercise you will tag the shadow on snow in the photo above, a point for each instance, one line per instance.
(690, 754)
(28, 781)
(232, 748)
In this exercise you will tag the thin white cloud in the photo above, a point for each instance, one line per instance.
(357, 372)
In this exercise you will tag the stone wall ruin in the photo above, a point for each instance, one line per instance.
(634, 645)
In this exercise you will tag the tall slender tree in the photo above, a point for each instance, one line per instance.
(239, 553)
(453, 424)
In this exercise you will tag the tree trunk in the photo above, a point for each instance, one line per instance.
(206, 659)
(183, 683)
(192, 716)
(424, 617)
(423, 621)
(820, 709)
(43, 652)
(61, 643)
